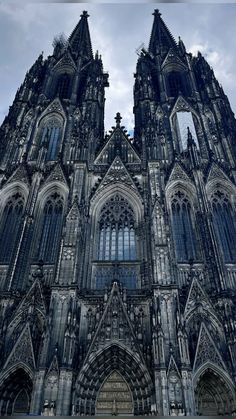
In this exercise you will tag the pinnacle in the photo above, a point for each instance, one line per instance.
(79, 40)
(161, 39)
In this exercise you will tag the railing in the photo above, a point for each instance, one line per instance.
(127, 273)
(187, 271)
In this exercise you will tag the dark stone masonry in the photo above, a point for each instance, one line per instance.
(118, 254)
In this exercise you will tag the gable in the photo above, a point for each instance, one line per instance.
(117, 145)
(206, 350)
(117, 173)
(178, 173)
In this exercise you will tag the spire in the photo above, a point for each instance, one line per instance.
(79, 40)
(161, 39)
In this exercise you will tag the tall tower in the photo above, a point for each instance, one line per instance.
(118, 255)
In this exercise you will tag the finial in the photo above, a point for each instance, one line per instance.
(118, 119)
(156, 12)
(85, 14)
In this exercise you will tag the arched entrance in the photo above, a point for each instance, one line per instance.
(134, 379)
(114, 397)
(213, 395)
(15, 394)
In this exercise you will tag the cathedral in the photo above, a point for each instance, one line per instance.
(118, 254)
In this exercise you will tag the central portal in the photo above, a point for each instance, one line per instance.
(114, 397)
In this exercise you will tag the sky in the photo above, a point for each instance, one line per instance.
(117, 30)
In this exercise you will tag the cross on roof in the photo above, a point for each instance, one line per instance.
(118, 118)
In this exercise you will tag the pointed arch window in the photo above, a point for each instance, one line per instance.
(182, 226)
(52, 218)
(175, 84)
(117, 231)
(224, 223)
(11, 218)
(63, 86)
(50, 138)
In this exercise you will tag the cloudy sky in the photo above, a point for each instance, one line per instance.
(117, 30)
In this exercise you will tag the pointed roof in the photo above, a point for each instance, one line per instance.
(206, 350)
(197, 296)
(19, 175)
(79, 40)
(173, 367)
(23, 351)
(33, 297)
(161, 39)
(117, 173)
(56, 174)
(117, 138)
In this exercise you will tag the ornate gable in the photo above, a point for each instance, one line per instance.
(54, 106)
(23, 351)
(117, 140)
(172, 58)
(117, 173)
(73, 212)
(216, 172)
(57, 175)
(19, 175)
(172, 368)
(65, 62)
(206, 350)
(195, 298)
(182, 105)
(114, 325)
(178, 173)
(33, 297)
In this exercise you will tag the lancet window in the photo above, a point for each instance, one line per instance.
(175, 83)
(117, 231)
(225, 225)
(182, 226)
(50, 138)
(63, 86)
(51, 226)
(11, 218)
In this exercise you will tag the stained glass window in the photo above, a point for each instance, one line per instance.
(117, 231)
(51, 228)
(224, 222)
(182, 225)
(11, 219)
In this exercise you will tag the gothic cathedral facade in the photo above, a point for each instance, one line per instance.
(118, 254)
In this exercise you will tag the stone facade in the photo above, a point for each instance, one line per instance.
(118, 255)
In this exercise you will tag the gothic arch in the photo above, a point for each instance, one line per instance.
(182, 106)
(181, 202)
(49, 129)
(99, 366)
(194, 321)
(54, 197)
(13, 203)
(12, 382)
(222, 199)
(131, 195)
(12, 188)
(214, 391)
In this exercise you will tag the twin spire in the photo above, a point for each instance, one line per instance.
(161, 39)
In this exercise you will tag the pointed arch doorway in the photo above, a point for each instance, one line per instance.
(114, 397)
(213, 395)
